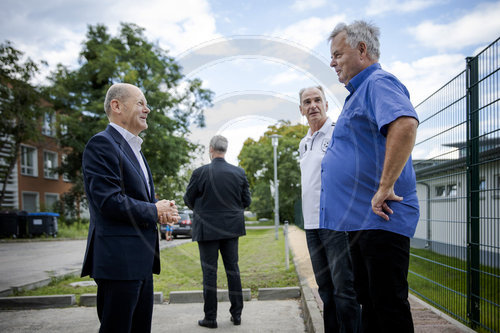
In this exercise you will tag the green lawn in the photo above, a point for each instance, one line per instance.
(448, 286)
(262, 265)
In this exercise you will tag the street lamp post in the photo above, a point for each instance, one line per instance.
(274, 141)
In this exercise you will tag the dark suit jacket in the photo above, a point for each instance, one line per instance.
(218, 194)
(123, 239)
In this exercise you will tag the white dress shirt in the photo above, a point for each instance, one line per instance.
(135, 143)
(312, 148)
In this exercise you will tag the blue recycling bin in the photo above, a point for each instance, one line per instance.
(42, 223)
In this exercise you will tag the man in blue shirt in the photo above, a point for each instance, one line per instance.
(329, 249)
(367, 178)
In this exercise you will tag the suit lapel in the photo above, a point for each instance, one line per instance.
(125, 147)
(150, 176)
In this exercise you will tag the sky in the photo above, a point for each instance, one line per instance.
(256, 55)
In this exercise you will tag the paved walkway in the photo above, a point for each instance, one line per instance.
(425, 318)
(258, 316)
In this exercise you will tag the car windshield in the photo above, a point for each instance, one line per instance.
(184, 217)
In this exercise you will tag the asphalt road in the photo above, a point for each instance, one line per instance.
(25, 263)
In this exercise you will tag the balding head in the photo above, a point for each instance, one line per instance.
(118, 91)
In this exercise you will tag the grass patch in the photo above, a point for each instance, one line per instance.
(60, 286)
(445, 283)
(262, 265)
(77, 230)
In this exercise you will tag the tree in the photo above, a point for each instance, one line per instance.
(21, 108)
(257, 158)
(176, 102)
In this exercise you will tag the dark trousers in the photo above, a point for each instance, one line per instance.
(125, 306)
(331, 261)
(209, 253)
(380, 261)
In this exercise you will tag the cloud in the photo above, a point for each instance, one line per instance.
(286, 77)
(55, 29)
(310, 32)
(302, 5)
(426, 75)
(377, 7)
(241, 116)
(479, 26)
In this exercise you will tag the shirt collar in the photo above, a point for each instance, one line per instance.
(323, 128)
(133, 140)
(356, 81)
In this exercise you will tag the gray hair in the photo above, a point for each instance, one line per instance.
(219, 144)
(119, 91)
(320, 88)
(360, 31)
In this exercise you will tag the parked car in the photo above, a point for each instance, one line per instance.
(183, 227)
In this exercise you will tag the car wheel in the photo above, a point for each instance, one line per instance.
(163, 236)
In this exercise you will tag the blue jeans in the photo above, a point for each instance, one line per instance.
(331, 261)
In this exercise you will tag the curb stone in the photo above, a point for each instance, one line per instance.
(273, 294)
(196, 296)
(37, 302)
(91, 299)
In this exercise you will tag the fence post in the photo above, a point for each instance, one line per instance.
(285, 231)
(473, 211)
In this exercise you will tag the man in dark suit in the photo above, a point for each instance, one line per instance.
(123, 246)
(218, 194)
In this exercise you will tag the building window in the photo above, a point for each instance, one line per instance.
(30, 202)
(49, 124)
(451, 190)
(440, 191)
(51, 200)
(49, 164)
(482, 185)
(64, 129)
(65, 176)
(29, 161)
(496, 185)
(446, 191)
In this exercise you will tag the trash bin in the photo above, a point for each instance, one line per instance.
(42, 223)
(12, 223)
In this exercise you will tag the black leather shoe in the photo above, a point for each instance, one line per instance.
(208, 323)
(236, 321)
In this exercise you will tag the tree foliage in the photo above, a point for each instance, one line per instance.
(21, 108)
(257, 158)
(129, 57)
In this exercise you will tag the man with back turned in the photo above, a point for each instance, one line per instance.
(218, 194)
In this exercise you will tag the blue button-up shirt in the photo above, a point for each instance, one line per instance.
(353, 163)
